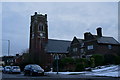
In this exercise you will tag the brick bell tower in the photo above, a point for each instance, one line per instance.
(38, 39)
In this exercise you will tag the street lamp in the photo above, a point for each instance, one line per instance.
(57, 58)
(8, 46)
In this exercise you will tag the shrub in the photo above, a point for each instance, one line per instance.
(117, 60)
(80, 67)
(110, 58)
(98, 59)
(67, 60)
(83, 61)
(65, 64)
(92, 62)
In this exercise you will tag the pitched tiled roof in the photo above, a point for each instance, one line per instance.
(104, 40)
(80, 40)
(107, 40)
(57, 46)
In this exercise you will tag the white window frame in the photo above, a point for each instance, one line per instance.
(90, 47)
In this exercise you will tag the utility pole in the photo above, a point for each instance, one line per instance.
(8, 47)
(57, 66)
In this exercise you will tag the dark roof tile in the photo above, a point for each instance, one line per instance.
(107, 40)
(57, 46)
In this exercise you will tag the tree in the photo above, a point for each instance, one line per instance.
(25, 60)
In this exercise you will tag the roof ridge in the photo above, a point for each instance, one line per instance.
(108, 36)
(103, 36)
(60, 40)
(80, 39)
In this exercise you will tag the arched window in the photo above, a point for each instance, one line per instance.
(41, 27)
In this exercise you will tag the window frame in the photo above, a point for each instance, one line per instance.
(75, 49)
(90, 47)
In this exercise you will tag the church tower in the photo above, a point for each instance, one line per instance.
(38, 38)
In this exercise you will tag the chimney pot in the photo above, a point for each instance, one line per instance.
(35, 13)
(99, 31)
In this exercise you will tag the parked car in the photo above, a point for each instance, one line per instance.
(33, 69)
(1, 69)
(15, 69)
(7, 69)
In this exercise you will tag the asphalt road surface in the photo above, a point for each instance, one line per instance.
(53, 77)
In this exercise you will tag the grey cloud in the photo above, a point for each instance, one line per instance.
(65, 20)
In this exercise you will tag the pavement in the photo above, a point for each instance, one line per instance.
(49, 76)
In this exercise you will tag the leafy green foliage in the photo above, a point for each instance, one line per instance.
(98, 59)
(70, 64)
(80, 67)
(92, 62)
(67, 60)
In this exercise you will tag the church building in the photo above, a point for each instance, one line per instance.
(43, 50)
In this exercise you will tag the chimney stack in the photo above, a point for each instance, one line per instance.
(35, 13)
(99, 31)
(88, 36)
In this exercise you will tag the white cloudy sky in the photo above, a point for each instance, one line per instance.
(65, 20)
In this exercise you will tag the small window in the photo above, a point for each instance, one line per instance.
(32, 35)
(109, 46)
(7, 60)
(82, 50)
(90, 47)
(75, 49)
(32, 29)
(41, 27)
(82, 44)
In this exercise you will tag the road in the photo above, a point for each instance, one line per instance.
(48, 76)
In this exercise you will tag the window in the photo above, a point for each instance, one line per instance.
(32, 28)
(41, 27)
(74, 49)
(109, 46)
(82, 44)
(82, 50)
(90, 47)
(11, 60)
(7, 60)
(32, 35)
